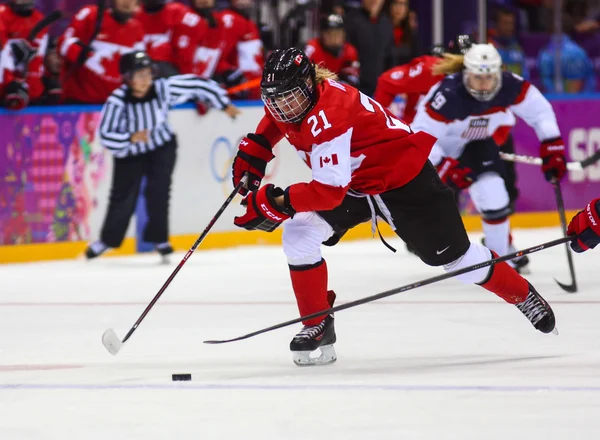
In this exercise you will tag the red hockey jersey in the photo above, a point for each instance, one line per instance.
(347, 63)
(172, 34)
(413, 80)
(349, 141)
(18, 27)
(233, 44)
(99, 76)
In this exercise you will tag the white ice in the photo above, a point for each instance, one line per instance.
(447, 361)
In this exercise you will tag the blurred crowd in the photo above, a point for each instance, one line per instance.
(76, 60)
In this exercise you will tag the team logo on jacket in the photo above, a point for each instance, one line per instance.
(328, 160)
(477, 129)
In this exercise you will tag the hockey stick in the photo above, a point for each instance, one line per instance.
(245, 86)
(110, 340)
(43, 23)
(531, 160)
(560, 204)
(402, 289)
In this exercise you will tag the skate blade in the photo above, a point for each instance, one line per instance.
(555, 331)
(304, 358)
(164, 259)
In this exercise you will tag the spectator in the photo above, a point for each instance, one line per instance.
(576, 67)
(231, 51)
(23, 60)
(371, 32)
(91, 70)
(171, 35)
(503, 36)
(332, 51)
(405, 32)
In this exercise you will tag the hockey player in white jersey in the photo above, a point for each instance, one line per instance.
(471, 112)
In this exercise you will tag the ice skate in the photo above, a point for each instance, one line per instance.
(95, 249)
(538, 311)
(164, 249)
(312, 338)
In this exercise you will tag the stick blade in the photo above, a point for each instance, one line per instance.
(111, 341)
(570, 288)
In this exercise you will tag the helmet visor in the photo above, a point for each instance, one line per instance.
(482, 86)
(289, 106)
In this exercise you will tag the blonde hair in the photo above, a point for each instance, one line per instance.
(450, 63)
(321, 74)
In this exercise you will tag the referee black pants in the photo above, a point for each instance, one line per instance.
(157, 166)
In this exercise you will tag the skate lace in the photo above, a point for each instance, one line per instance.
(532, 308)
(310, 331)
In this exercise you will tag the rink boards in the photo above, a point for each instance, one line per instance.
(56, 179)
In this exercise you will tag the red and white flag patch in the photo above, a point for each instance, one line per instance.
(328, 160)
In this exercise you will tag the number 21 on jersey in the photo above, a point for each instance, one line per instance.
(320, 122)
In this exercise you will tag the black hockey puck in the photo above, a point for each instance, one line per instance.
(182, 377)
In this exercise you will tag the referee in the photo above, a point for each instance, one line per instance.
(135, 129)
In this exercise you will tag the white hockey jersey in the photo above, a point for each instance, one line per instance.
(455, 118)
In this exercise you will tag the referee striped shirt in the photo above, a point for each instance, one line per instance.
(123, 114)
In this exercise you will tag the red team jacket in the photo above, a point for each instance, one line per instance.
(350, 142)
(346, 63)
(99, 76)
(172, 34)
(17, 27)
(233, 44)
(413, 80)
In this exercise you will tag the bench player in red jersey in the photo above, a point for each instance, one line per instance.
(365, 163)
(416, 78)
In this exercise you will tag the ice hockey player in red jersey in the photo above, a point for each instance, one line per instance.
(171, 34)
(415, 79)
(91, 68)
(586, 225)
(331, 50)
(365, 163)
(231, 52)
(471, 113)
(22, 61)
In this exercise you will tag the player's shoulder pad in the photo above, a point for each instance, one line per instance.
(445, 102)
(87, 13)
(514, 88)
(332, 114)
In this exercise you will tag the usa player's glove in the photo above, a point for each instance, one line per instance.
(586, 225)
(262, 212)
(554, 164)
(454, 175)
(254, 153)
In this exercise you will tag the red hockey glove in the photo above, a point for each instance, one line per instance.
(262, 212)
(554, 163)
(586, 225)
(254, 153)
(17, 95)
(202, 107)
(453, 175)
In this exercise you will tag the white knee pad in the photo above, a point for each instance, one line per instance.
(489, 193)
(302, 238)
(477, 253)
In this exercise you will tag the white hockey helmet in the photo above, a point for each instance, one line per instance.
(482, 76)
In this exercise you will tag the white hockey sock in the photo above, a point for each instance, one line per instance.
(497, 236)
(477, 253)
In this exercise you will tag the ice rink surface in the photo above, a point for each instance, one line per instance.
(447, 361)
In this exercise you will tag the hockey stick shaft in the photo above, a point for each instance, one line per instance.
(187, 255)
(402, 289)
(245, 86)
(43, 23)
(571, 166)
(560, 204)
